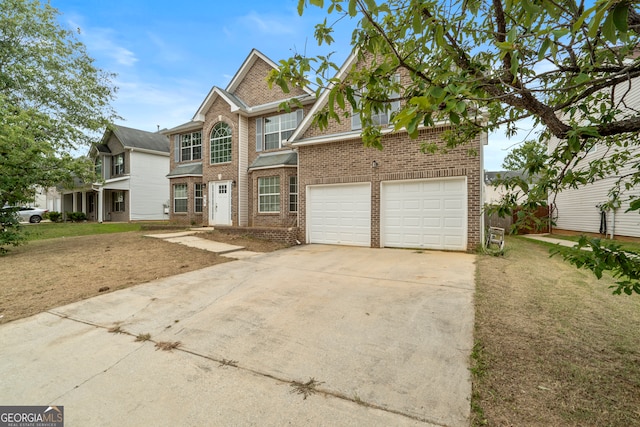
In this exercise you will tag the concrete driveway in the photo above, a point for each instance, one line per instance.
(379, 337)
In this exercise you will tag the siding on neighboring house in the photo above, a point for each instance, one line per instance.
(577, 209)
(149, 186)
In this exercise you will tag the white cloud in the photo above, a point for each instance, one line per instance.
(272, 25)
(103, 42)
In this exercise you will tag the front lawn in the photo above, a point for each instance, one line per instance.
(51, 230)
(553, 346)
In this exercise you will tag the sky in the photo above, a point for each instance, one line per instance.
(168, 54)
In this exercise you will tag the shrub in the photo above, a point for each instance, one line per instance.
(77, 216)
(54, 216)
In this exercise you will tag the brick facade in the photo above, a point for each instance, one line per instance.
(342, 161)
(401, 159)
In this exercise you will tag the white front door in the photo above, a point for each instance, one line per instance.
(220, 203)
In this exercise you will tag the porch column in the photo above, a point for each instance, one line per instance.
(74, 201)
(84, 202)
(99, 203)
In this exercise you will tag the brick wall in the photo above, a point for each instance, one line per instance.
(284, 218)
(401, 159)
(286, 235)
(253, 90)
(190, 217)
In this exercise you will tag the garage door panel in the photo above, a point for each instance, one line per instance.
(425, 214)
(339, 214)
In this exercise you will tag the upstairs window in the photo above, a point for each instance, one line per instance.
(271, 131)
(98, 167)
(380, 118)
(188, 147)
(118, 164)
(220, 143)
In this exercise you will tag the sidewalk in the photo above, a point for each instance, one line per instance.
(546, 238)
(190, 238)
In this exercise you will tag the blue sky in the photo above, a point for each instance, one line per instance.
(168, 54)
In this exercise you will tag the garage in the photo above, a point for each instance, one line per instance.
(430, 214)
(339, 214)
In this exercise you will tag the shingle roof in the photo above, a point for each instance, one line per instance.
(103, 148)
(191, 169)
(135, 138)
(288, 158)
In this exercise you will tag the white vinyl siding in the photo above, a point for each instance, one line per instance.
(149, 186)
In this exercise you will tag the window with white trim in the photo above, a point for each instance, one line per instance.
(98, 167)
(180, 198)
(198, 197)
(220, 143)
(380, 118)
(118, 201)
(293, 193)
(271, 131)
(190, 146)
(118, 164)
(269, 194)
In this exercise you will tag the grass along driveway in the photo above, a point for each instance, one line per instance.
(553, 345)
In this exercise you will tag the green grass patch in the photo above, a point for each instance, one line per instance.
(51, 230)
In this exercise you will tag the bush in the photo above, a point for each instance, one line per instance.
(54, 216)
(76, 216)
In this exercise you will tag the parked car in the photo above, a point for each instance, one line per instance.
(28, 214)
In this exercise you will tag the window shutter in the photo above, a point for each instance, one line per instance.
(259, 135)
(299, 114)
(176, 148)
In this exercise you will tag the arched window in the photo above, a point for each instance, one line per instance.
(220, 143)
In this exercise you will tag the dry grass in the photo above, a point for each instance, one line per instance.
(553, 345)
(49, 273)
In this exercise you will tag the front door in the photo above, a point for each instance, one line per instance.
(220, 203)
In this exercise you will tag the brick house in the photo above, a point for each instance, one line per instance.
(277, 169)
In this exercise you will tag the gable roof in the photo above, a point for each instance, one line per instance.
(323, 99)
(135, 138)
(253, 56)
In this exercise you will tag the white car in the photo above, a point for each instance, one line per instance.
(28, 214)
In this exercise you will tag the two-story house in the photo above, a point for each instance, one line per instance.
(131, 167)
(241, 161)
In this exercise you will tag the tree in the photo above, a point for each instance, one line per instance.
(53, 100)
(482, 64)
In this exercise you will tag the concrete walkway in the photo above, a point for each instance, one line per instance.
(310, 335)
(190, 238)
(547, 239)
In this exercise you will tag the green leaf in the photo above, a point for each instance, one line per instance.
(352, 8)
(543, 48)
(318, 3)
(300, 7)
(621, 16)
(609, 29)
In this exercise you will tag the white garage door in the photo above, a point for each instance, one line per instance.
(339, 214)
(428, 214)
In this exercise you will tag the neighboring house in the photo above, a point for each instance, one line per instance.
(241, 161)
(131, 165)
(494, 193)
(581, 209)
